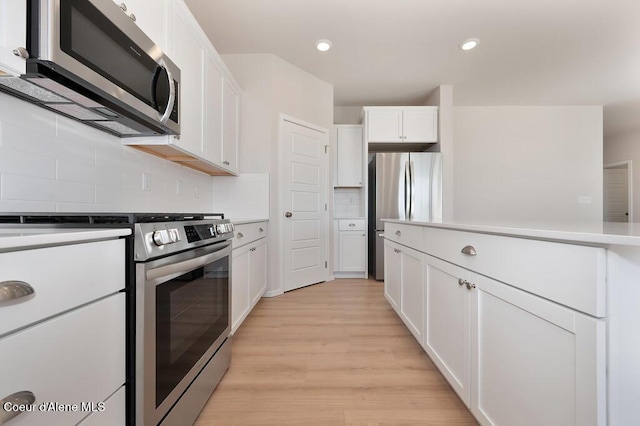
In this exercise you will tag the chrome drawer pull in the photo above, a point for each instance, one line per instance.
(461, 282)
(398, 233)
(12, 290)
(352, 225)
(469, 250)
(260, 230)
(239, 235)
(18, 398)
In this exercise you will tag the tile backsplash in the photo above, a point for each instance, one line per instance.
(243, 197)
(50, 163)
(347, 202)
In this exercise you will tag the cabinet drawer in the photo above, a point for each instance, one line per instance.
(568, 274)
(248, 232)
(73, 358)
(408, 235)
(62, 277)
(351, 224)
(114, 412)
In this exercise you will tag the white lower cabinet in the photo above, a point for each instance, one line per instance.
(404, 286)
(513, 357)
(248, 271)
(352, 251)
(534, 362)
(446, 326)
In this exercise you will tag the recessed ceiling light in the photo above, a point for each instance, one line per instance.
(323, 45)
(469, 44)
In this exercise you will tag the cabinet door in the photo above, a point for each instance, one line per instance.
(239, 286)
(412, 291)
(258, 271)
(392, 256)
(230, 123)
(213, 110)
(187, 51)
(384, 125)
(535, 362)
(447, 326)
(13, 34)
(352, 250)
(151, 17)
(420, 125)
(349, 156)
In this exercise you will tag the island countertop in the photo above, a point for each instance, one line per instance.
(593, 233)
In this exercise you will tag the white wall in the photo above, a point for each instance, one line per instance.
(347, 115)
(527, 163)
(271, 87)
(50, 163)
(623, 147)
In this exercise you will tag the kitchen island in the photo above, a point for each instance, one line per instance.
(531, 323)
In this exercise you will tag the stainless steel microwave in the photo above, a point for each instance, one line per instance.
(89, 61)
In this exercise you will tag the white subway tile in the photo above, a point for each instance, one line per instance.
(79, 172)
(23, 206)
(27, 164)
(16, 187)
(27, 116)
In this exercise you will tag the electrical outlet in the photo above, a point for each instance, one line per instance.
(178, 187)
(584, 199)
(146, 182)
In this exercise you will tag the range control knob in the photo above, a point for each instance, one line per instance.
(161, 237)
(174, 235)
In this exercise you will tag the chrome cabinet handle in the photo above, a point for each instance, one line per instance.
(12, 290)
(470, 285)
(123, 7)
(461, 282)
(18, 398)
(226, 162)
(260, 230)
(398, 233)
(239, 235)
(396, 251)
(288, 214)
(133, 17)
(21, 52)
(469, 250)
(352, 225)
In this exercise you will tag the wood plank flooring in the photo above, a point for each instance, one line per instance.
(330, 354)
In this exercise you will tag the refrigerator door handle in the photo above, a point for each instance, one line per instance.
(412, 174)
(407, 191)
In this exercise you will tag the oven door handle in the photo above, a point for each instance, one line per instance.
(179, 268)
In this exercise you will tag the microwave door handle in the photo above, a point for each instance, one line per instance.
(172, 93)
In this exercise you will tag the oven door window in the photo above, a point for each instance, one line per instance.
(192, 311)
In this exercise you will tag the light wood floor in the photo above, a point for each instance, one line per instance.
(330, 354)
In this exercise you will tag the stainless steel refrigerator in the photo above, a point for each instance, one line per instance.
(402, 185)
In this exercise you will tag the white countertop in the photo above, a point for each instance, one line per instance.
(21, 238)
(600, 233)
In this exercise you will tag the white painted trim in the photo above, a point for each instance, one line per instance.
(629, 164)
(339, 275)
(273, 293)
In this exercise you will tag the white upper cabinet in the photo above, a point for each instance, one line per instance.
(230, 125)
(349, 156)
(13, 35)
(402, 124)
(209, 97)
(151, 16)
(188, 53)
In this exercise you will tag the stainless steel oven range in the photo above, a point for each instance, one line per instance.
(183, 348)
(178, 307)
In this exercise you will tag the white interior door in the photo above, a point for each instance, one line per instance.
(616, 199)
(305, 223)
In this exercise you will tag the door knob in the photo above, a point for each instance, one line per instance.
(288, 214)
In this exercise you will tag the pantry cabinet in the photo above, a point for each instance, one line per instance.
(13, 30)
(350, 248)
(401, 124)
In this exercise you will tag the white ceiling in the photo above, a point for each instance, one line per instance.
(395, 52)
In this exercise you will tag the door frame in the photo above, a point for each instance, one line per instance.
(629, 166)
(328, 176)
